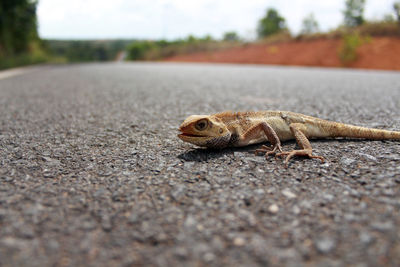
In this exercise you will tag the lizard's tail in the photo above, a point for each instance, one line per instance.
(346, 130)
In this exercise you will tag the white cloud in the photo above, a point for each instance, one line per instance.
(170, 19)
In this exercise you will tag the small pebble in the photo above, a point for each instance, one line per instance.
(273, 208)
(289, 194)
(238, 241)
(325, 245)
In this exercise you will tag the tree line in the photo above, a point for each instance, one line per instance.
(353, 16)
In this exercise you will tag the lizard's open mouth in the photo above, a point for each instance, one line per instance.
(190, 135)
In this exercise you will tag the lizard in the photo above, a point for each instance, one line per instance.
(238, 129)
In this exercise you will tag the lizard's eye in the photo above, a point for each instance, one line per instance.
(201, 125)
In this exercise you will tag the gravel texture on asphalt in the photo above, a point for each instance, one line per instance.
(92, 173)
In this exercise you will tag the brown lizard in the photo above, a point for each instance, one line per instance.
(237, 129)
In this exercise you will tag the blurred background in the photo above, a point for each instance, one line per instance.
(334, 33)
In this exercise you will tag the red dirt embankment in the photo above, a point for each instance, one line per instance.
(379, 53)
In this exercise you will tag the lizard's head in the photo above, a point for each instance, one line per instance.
(205, 131)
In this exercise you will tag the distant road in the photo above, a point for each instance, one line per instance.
(92, 173)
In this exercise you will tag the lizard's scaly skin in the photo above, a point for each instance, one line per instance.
(235, 129)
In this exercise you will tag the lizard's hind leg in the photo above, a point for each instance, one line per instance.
(302, 141)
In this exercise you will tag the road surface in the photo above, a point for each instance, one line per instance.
(92, 173)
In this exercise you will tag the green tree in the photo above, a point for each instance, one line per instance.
(191, 39)
(354, 12)
(18, 25)
(270, 24)
(310, 25)
(396, 7)
(231, 36)
(139, 50)
(207, 38)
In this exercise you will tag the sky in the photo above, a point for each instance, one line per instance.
(172, 19)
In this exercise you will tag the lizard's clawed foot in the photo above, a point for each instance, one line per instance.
(302, 152)
(269, 150)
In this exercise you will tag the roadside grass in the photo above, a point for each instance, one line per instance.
(352, 39)
(348, 50)
(369, 28)
(280, 37)
(35, 55)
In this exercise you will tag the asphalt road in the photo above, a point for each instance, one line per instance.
(92, 173)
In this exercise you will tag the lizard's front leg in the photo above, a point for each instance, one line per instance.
(269, 132)
(302, 141)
